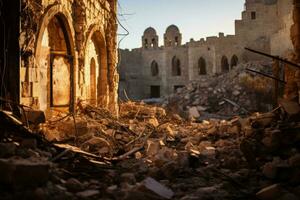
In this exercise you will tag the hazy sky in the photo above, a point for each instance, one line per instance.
(195, 18)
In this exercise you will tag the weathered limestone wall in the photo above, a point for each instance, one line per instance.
(280, 41)
(292, 74)
(68, 53)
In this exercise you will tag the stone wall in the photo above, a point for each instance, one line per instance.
(68, 53)
(257, 29)
(292, 74)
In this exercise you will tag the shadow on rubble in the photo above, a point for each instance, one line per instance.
(148, 153)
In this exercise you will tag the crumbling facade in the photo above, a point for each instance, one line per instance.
(67, 53)
(153, 71)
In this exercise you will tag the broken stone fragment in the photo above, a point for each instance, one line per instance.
(23, 172)
(153, 147)
(236, 93)
(74, 185)
(193, 112)
(157, 188)
(270, 193)
(88, 194)
(153, 121)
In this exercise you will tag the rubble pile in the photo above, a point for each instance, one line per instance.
(237, 92)
(148, 153)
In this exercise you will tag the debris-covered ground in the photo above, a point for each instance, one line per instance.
(225, 95)
(148, 153)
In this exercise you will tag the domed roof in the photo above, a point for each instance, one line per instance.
(172, 29)
(150, 31)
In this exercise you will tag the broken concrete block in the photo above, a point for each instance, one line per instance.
(270, 192)
(156, 187)
(21, 172)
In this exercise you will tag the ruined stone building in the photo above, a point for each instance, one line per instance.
(57, 52)
(153, 71)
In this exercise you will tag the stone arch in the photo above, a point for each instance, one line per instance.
(154, 68)
(56, 10)
(55, 59)
(176, 66)
(202, 66)
(224, 64)
(95, 47)
(234, 61)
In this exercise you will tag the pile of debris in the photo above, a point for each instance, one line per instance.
(237, 92)
(148, 153)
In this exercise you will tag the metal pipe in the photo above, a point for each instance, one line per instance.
(274, 57)
(266, 75)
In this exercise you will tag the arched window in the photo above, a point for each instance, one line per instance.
(224, 64)
(202, 66)
(154, 68)
(234, 61)
(153, 42)
(176, 70)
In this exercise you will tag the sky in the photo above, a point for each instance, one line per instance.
(195, 18)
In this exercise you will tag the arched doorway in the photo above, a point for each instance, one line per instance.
(55, 61)
(93, 82)
(234, 61)
(224, 64)
(176, 68)
(96, 81)
(202, 66)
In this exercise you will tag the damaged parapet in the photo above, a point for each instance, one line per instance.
(68, 53)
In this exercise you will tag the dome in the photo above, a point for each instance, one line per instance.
(150, 31)
(172, 29)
